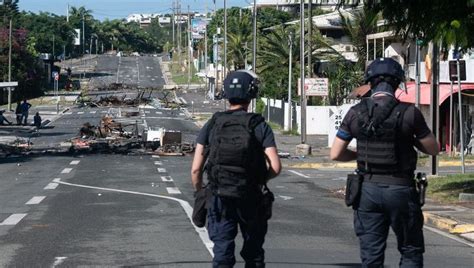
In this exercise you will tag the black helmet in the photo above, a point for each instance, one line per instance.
(383, 67)
(241, 85)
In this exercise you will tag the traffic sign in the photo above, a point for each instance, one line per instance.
(453, 70)
(315, 86)
(8, 84)
(55, 75)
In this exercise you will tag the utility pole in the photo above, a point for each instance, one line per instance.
(417, 73)
(224, 70)
(10, 65)
(434, 103)
(189, 47)
(310, 36)
(461, 122)
(173, 21)
(254, 46)
(205, 47)
(54, 45)
(303, 148)
(290, 74)
(303, 93)
(83, 36)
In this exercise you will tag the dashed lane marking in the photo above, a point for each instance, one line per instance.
(161, 170)
(51, 186)
(188, 209)
(35, 200)
(155, 156)
(299, 174)
(66, 170)
(80, 112)
(68, 113)
(158, 112)
(14, 219)
(93, 112)
(75, 162)
(166, 178)
(58, 261)
(103, 112)
(158, 163)
(173, 190)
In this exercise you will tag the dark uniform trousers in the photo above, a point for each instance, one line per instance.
(224, 217)
(382, 206)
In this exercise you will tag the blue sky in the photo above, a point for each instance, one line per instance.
(114, 9)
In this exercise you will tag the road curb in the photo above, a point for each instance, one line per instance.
(320, 165)
(447, 224)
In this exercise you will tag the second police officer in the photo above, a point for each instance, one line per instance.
(238, 152)
(387, 132)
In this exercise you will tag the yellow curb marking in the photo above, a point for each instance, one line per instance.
(447, 224)
(462, 229)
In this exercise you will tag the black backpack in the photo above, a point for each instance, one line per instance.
(236, 163)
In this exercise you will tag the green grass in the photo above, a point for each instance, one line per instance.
(446, 189)
(274, 126)
(292, 132)
(180, 77)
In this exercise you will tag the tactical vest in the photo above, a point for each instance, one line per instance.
(379, 139)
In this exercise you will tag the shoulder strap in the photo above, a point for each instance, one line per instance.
(253, 120)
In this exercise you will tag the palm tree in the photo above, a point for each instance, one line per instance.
(357, 25)
(238, 42)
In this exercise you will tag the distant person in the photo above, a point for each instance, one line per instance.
(18, 112)
(37, 121)
(25, 108)
(3, 119)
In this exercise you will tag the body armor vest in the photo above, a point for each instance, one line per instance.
(378, 139)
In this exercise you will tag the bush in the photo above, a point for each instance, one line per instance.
(260, 106)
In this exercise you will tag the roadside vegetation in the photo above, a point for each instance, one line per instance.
(446, 189)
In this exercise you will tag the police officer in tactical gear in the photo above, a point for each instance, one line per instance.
(386, 132)
(229, 148)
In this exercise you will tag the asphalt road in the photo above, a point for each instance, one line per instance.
(132, 209)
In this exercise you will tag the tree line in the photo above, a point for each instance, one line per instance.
(36, 33)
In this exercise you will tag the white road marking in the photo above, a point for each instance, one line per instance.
(166, 178)
(340, 179)
(299, 174)
(93, 112)
(147, 112)
(284, 197)
(155, 156)
(35, 200)
(103, 112)
(80, 112)
(58, 261)
(68, 113)
(161, 170)
(453, 237)
(158, 163)
(66, 170)
(167, 118)
(188, 209)
(14, 219)
(74, 162)
(158, 112)
(173, 190)
(51, 186)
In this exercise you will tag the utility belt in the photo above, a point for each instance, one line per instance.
(389, 179)
(356, 179)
